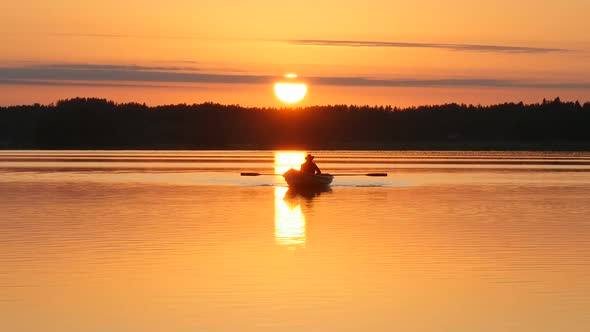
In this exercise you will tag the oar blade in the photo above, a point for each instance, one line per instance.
(249, 174)
(376, 174)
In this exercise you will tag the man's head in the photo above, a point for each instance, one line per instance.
(309, 157)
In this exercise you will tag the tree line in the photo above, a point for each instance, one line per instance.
(92, 123)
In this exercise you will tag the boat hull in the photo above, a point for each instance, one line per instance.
(297, 179)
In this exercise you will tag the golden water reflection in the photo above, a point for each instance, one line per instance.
(289, 219)
(288, 159)
(289, 222)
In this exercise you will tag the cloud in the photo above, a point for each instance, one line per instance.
(106, 35)
(114, 67)
(452, 47)
(448, 82)
(81, 83)
(347, 43)
(124, 75)
(92, 72)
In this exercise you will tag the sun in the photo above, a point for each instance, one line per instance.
(290, 91)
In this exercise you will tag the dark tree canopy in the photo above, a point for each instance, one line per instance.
(90, 123)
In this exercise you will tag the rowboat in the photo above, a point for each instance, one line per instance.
(297, 179)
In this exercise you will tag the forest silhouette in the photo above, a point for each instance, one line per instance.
(92, 123)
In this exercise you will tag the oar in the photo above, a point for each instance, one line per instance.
(343, 174)
(357, 174)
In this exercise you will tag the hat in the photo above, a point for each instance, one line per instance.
(309, 157)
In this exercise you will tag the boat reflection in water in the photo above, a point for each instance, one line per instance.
(294, 196)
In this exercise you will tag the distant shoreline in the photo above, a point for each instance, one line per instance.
(99, 124)
(400, 146)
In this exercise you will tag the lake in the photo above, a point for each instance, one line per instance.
(179, 241)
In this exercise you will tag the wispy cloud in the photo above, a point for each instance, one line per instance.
(130, 36)
(123, 75)
(345, 43)
(85, 84)
(104, 67)
(448, 82)
(452, 47)
(92, 72)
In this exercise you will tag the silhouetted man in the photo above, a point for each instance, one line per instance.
(309, 166)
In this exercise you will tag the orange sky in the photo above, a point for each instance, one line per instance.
(370, 52)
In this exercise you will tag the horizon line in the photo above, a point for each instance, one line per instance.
(86, 99)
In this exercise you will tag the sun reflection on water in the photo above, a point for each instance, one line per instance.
(289, 220)
(286, 160)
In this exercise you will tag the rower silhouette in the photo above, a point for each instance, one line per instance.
(309, 166)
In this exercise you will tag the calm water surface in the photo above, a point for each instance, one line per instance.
(178, 241)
